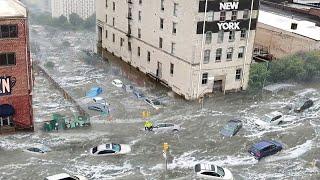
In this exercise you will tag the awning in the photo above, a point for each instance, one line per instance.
(6, 110)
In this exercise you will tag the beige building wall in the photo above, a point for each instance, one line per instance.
(188, 52)
(280, 43)
(84, 8)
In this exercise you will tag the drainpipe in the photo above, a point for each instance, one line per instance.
(247, 43)
(202, 46)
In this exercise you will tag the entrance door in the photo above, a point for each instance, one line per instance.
(99, 34)
(217, 86)
(159, 70)
(6, 121)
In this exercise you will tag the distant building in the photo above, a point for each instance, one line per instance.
(15, 67)
(279, 36)
(315, 3)
(84, 8)
(194, 47)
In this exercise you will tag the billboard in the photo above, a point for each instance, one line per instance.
(6, 85)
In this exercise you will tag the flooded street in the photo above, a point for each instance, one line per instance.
(198, 141)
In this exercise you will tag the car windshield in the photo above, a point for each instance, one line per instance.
(94, 150)
(116, 147)
(266, 118)
(220, 171)
(230, 126)
(155, 102)
(197, 168)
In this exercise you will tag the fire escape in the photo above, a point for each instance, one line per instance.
(129, 17)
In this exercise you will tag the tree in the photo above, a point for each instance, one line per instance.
(75, 20)
(259, 74)
(90, 22)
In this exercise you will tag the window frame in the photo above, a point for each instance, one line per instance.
(238, 74)
(218, 55)
(6, 54)
(224, 17)
(230, 51)
(9, 36)
(204, 79)
(206, 56)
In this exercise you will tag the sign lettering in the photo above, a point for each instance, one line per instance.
(229, 26)
(229, 5)
(6, 85)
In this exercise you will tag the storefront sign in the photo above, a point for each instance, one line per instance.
(229, 5)
(6, 85)
(229, 26)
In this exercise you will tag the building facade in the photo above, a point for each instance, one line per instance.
(15, 67)
(194, 47)
(279, 36)
(84, 8)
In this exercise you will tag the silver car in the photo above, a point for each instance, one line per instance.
(98, 107)
(166, 127)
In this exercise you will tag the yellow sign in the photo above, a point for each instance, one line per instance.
(165, 147)
(145, 114)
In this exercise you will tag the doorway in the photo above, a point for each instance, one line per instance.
(159, 70)
(99, 34)
(217, 86)
(6, 121)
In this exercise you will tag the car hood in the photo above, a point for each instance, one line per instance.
(125, 148)
(81, 177)
(226, 133)
(227, 174)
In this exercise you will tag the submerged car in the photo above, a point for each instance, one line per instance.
(271, 119)
(211, 171)
(65, 176)
(110, 149)
(166, 127)
(138, 94)
(303, 105)
(154, 103)
(231, 128)
(98, 107)
(117, 83)
(38, 150)
(265, 148)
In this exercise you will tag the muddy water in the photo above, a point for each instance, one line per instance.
(198, 141)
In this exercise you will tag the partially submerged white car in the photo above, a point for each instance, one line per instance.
(110, 149)
(166, 127)
(117, 82)
(100, 100)
(65, 176)
(271, 119)
(38, 150)
(154, 103)
(211, 171)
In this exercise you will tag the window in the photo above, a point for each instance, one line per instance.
(173, 47)
(206, 56)
(162, 5)
(220, 36)
(139, 15)
(241, 52)
(129, 46)
(106, 3)
(218, 55)
(113, 37)
(222, 16)
(171, 68)
(113, 6)
(130, 13)
(238, 74)
(234, 15)
(113, 21)
(174, 28)
(243, 34)
(161, 23)
(208, 37)
(139, 33)
(208, 173)
(106, 34)
(232, 36)
(175, 9)
(229, 53)
(139, 51)
(204, 78)
(210, 16)
(148, 56)
(160, 42)
(121, 42)
(8, 31)
(245, 14)
(140, 2)
(106, 18)
(7, 59)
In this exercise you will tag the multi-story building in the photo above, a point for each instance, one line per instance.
(15, 67)
(195, 47)
(84, 8)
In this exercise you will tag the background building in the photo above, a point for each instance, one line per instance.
(15, 67)
(84, 8)
(279, 36)
(192, 46)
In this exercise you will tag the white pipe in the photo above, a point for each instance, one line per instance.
(247, 44)
(202, 46)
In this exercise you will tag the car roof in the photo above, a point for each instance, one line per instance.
(58, 176)
(235, 121)
(98, 98)
(104, 147)
(262, 144)
(208, 167)
(117, 80)
(275, 113)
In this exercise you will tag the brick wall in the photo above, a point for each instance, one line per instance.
(20, 98)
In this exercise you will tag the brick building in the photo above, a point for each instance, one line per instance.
(15, 68)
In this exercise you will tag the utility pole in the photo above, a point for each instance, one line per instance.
(165, 150)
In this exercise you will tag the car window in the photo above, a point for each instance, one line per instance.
(208, 173)
(268, 148)
(94, 150)
(155, 102)
(161, 125)
(106, 152)
(69, 178)
(148, 100)
(116, 147)
(169, 125)
(220, 171)
(276, 118)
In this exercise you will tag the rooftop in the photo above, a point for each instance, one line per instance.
(305, 28)
(12, 8)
